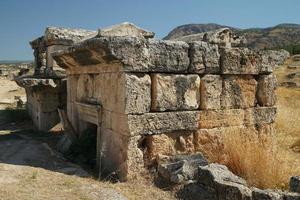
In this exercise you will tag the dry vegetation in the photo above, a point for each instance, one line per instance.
(265, 161)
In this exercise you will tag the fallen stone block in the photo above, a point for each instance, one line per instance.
(181, 168)
(175, 92)
(238, 92)
(210, 92)
(239, 61)
(204, 58)
(168, 56)
(258, 194)
(227, 184)
(266, 87)
(164, 122)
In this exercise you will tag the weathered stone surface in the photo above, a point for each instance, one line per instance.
(211, 88)
(212, 173)
(168, 56)
(170, 144)
(266, 95)
(138, 93)
(85, 88)
(124, 29)
(211, 140)
(175, 92)
(204, 58)
(258, 194)
(238, 92)
(192, 191)
(221, 118)
(208, 139)
(32, 81)
(275, 57)
(295, 184)
(180, 169)
(65, 36)
(120, 53)
(291, 196)
(239, 61)
(156, 123)
(227, 185)
(223, 37)
(260, 115)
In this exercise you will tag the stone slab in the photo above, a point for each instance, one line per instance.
(238, 92)
(221, 118)
(165, 122)
(210, 92)
(204, 58)
(266, 95)
(175, 92)
(239, 61)
(168, 56)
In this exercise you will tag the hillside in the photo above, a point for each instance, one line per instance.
(285, 36)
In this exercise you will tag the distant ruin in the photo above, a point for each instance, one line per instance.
(148, 98)
(46, 88)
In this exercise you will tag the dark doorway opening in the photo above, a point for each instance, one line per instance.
(84, 150)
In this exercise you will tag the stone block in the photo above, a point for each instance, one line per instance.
(260, 115)
(221, 118)
(238, 92)
(170, 144)
(175, 92)
(258, 194)
(227, 184)
(119, 53)
(211, 88)
(239, 61)
(166, 122)
(168, 56)
(181, 168)
(85, 88)
(138, 93)
(204, 57)
(266, 95)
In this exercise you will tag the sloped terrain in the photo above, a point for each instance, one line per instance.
(285, 36)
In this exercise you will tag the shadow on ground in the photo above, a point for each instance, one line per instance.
(20, 144)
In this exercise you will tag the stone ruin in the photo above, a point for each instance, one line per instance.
(46, 87)
(151, 100)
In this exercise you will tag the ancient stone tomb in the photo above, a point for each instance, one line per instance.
(152, 98)
(46, 87)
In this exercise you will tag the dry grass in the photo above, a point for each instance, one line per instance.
(255, 158)
(265, 161)
(30, 183)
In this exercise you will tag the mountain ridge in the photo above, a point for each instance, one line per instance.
(284, 35)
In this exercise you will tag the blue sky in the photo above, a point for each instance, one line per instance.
(24, 20)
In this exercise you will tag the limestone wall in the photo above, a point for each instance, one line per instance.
(159, 97)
